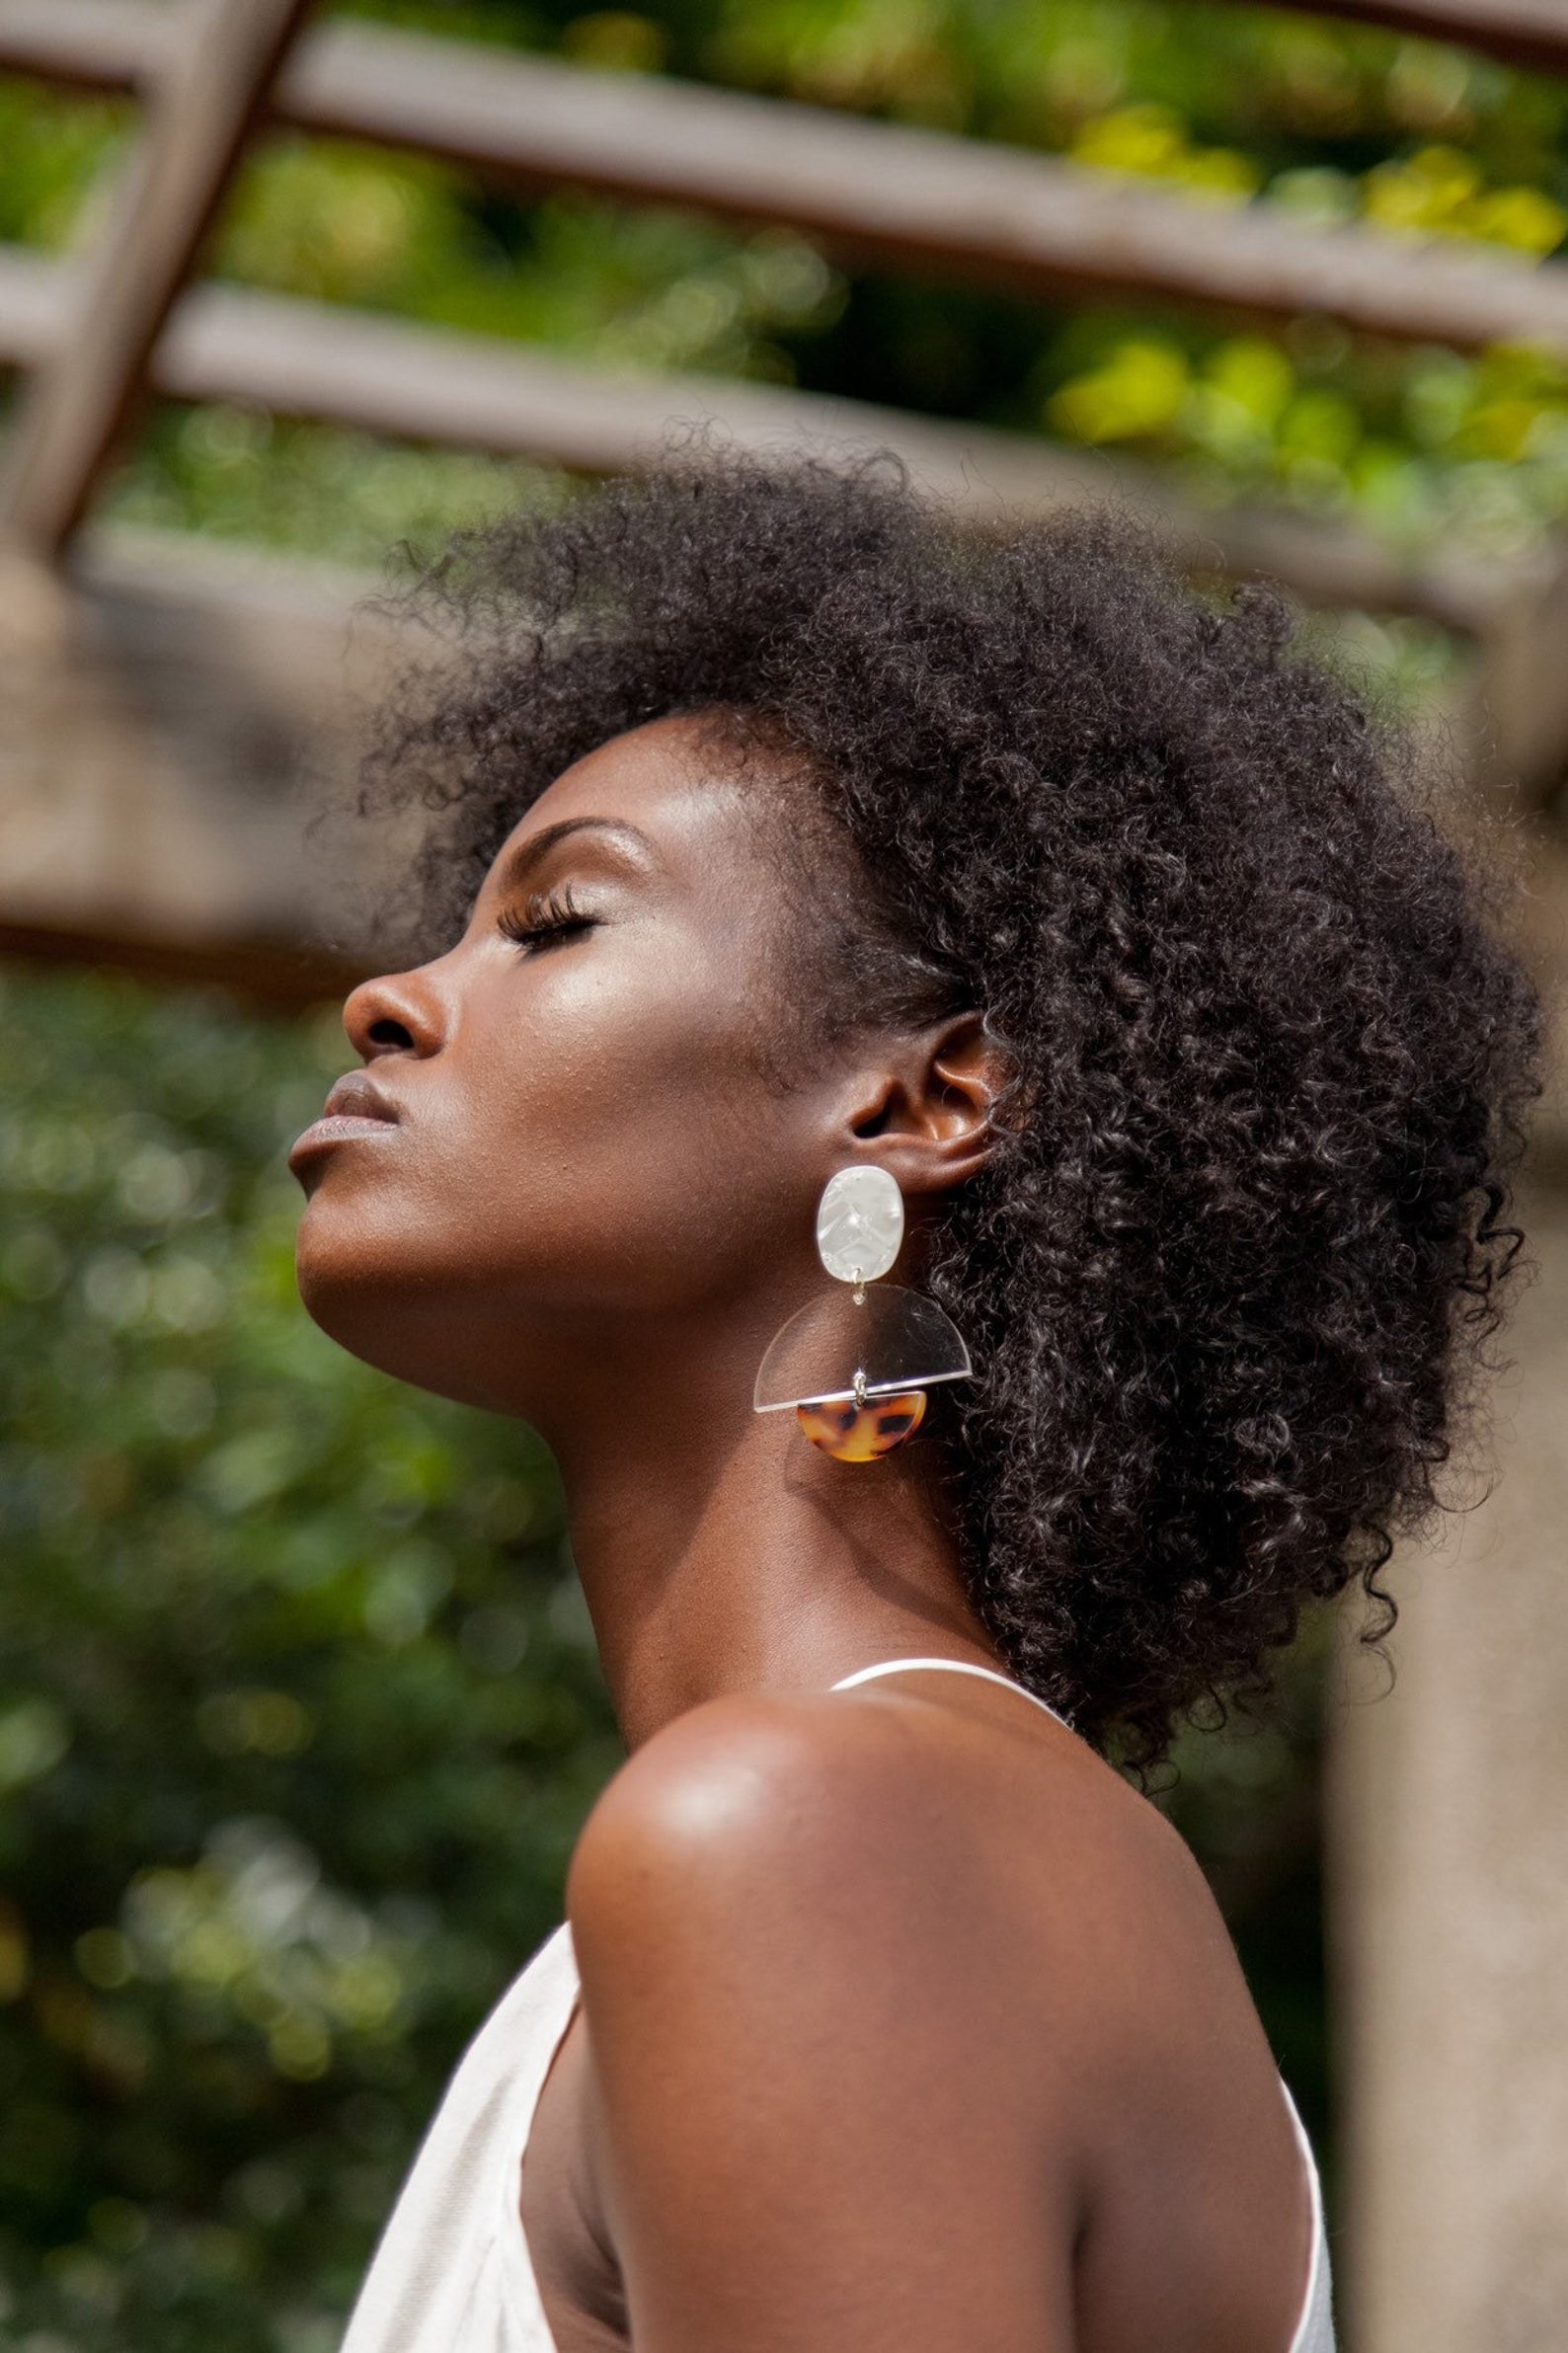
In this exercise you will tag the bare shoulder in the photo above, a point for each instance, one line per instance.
(742, 1793)
(960, 1837)
(805, 2010)
(901, 1973)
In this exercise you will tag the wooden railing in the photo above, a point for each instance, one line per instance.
(873, 192)
(1528, 32)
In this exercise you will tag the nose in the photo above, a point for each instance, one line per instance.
(396, 1013)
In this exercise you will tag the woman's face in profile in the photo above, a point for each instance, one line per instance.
(566, 1123)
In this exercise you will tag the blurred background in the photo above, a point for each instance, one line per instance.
(299, 1705)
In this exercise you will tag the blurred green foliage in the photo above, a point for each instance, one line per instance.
(299, 1705)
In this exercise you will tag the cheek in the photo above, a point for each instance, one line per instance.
(638, 1135)
(624, 1162)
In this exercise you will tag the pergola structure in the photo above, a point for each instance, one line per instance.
(165, 696)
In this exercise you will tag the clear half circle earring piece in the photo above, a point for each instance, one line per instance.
(856, 1368)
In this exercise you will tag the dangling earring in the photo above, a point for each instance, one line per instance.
(858, 1382)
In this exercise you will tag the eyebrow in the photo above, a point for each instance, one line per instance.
(532, 852)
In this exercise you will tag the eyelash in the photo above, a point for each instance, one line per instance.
(555, 917)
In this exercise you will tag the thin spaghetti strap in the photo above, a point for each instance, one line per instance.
(951, 1667)
(1314, 2331)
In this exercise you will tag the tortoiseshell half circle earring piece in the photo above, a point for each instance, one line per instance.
(856, 1372)
(853, 1432)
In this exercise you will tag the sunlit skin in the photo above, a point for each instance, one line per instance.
(906, 2023)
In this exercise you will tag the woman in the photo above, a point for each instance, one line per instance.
(783, 834)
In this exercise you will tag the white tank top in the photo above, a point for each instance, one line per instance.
(452, 2273)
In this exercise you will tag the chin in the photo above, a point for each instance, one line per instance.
(401, 1317)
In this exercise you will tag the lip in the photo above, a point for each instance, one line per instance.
(355, 1111)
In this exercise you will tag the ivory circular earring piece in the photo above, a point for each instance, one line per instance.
(860, 1224)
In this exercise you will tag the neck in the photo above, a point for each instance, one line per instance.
(720, 1551)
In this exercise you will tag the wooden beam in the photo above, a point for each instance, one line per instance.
(880, 194)
(1532, 34)
(1448, 1901)
(89, 45)
(874, 192)
(276, 976)
(220, 62)
(321, 360)
(103, 43)
(161, 770)
(1515, 718)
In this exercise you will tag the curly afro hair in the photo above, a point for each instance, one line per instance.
(1234, 1262)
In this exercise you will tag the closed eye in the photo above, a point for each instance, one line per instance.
(544, 922)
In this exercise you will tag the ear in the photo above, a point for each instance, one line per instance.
(923, 1111)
